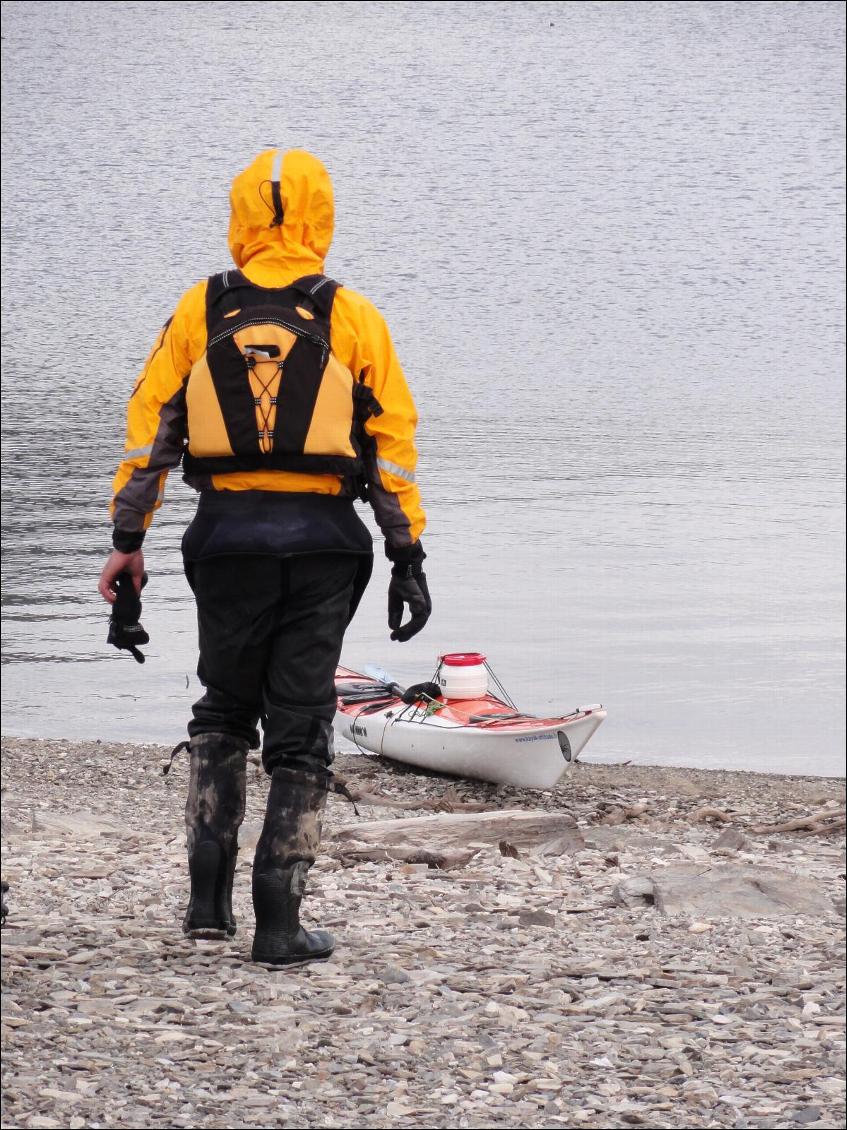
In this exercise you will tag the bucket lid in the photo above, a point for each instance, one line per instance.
(463, 659)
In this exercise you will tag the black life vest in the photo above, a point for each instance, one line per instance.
(268, 392)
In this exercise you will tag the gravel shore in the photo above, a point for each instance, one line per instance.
(655, 949)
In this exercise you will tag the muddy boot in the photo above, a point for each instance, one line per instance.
(286, 850)
(217, 794)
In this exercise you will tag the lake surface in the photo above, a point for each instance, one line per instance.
(608, 239)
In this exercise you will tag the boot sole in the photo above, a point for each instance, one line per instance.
(212, 927)
(284, 963)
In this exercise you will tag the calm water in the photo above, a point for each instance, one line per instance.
(608, 239)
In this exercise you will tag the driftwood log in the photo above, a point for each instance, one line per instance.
(825, 822)
(700, 815)
(449, 801)
(440, 860)
(547, 833)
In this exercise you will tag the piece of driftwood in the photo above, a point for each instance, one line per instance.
(79, 825)
(551, 832)
(825, 822)
(441, 860)
(449, 801)
(614, 815)
(700, 815)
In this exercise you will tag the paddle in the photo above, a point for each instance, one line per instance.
(384, 679)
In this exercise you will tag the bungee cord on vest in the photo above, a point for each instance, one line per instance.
(266, 401)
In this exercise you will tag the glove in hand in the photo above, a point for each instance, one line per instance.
(408, 587)
(125, 631)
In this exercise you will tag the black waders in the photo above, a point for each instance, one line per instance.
(286, 850)
(217, 795)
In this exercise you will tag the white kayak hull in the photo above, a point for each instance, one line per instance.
(529, 753)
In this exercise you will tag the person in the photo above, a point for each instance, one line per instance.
(281, 393)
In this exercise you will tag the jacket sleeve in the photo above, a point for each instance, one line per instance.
(156, 429)
(390, 456)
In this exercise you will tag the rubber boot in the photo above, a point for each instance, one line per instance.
(286, 850)
(217, 795)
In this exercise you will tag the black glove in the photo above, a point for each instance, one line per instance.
(125, 632)
(408, 586)
(420, 691)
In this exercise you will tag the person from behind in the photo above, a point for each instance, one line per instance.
(281, 394)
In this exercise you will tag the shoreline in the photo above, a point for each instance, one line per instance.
(640, 947)
(348, 749)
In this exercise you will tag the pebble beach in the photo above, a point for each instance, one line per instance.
(637, 947)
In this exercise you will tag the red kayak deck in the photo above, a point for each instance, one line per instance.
(487, 712)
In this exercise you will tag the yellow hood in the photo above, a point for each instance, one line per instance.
(300, 244)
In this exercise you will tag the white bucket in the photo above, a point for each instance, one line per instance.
(462, 674)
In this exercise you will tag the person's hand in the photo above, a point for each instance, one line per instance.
(408, 587)
(117, 563)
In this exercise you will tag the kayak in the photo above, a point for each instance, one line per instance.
(483, 737)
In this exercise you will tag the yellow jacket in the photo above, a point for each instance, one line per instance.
(272, 256)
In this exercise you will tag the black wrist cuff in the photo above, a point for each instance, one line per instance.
(398, 570)
(405, 554)
(127, 541)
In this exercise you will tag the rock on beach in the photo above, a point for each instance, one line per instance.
(637, 947)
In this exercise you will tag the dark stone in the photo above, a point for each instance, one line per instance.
(806, 1115)
(536, 918)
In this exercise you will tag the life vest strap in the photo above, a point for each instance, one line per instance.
(343, 465)
(319, 291)
(365, 403)
(220, 288)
